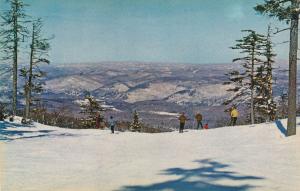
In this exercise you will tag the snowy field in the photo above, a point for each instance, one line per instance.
(43, 158)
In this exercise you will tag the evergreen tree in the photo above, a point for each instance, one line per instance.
(5, 84)
(13, 30)
(32, 75)
(90, 107)
(251, 47)
(2, 111)
(288, 11)
(135, 125)
(266, 106)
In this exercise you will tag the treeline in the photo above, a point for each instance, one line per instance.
(91, 112)
(252, 85)
(93, 117)
(18, 31)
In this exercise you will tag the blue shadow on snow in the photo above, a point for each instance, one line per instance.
(203, 178)
(280, 126)
(11, 134)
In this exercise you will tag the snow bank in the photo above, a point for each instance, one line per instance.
(47, 158)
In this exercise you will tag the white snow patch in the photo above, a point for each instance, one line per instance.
(164, 113)
(156, 91)
(110, 107)
(120, 87)
(85, 102)
(214, 93)
(72, 83)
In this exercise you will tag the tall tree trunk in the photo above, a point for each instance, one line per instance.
(29, 85)
(269, 74)
(252, 86)
(15, 63)
(292, 97)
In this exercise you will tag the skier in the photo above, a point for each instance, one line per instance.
(234, 113)
(182, 118)
(206, 126)
(198, 118)
(112, 124)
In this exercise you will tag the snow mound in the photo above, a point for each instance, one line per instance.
(40, 157)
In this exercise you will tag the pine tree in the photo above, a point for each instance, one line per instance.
(288, 11)
(261, 90)
(2, 111)
(13, 31)
(5, 90)
(135, 125)
(90, 107)
(266, 106)
(251, 47)
(39, 49)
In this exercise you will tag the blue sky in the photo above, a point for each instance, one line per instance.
(179, 31)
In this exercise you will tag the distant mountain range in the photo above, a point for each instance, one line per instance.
(158, 91)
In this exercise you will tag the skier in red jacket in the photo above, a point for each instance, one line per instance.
(205, 126)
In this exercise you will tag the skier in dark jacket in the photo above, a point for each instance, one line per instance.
(112, 124)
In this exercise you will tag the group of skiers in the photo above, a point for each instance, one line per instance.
(198, 117)
(234, 113)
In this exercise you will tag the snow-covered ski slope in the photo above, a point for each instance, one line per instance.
(43, 158)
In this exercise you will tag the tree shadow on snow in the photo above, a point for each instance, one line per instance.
(7, 134)
(203, 178)
(280, 126)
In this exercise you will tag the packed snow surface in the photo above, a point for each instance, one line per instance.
(43, 158)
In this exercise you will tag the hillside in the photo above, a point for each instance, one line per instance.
(145, 87)
(240, 158)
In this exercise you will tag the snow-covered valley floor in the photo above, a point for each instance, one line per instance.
(43, 158)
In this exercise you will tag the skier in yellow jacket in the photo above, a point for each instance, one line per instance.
(234, 113)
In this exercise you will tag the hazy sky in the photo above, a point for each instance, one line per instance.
(185, 31)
